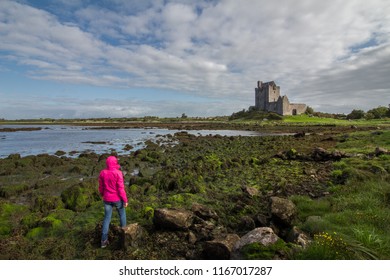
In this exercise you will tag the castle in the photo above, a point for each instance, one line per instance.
(268, 99)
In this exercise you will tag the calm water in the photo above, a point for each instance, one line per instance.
(53, 138)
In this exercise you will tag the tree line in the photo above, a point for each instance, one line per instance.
(356, 114)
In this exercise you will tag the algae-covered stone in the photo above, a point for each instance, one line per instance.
(10, 216)
(36, 233)
(204, 212)
(148, 212)
(31, 220)
(77, 198)
(46, 203)
(12, 190)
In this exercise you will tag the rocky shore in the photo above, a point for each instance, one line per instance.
(207, 197)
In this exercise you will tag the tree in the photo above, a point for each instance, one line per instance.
(356, 114)
(183, 116)
(379, 112)
(309, 111)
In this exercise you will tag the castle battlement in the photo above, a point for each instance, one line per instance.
(268, 99)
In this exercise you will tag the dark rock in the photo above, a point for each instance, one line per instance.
(380, 151)
(206, 230)
(204, 212)
(173, 219)
(299, 134)
(377, 133)
(60, 153)
(283, 210)
(246, 223)
(261, 220)
(128, 147)
(14, 156)
(220, 248)
(263, 235)
(320, 154)
(297, 236)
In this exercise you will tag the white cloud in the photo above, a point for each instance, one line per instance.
(319, 52)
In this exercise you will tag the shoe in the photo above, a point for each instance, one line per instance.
(104, 243)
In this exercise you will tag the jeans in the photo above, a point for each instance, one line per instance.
(108, 213)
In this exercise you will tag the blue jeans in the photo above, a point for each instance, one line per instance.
(108, 213)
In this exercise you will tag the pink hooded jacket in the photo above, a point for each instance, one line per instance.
(111, 186)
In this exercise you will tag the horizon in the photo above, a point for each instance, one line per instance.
(132, 59)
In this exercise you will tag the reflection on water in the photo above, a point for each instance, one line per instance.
(76, 139)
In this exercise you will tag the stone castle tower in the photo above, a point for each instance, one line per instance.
(268, 99)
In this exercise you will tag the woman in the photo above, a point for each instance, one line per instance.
(112, 190)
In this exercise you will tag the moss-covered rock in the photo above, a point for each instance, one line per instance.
(12, 190)
(79, 197)
(46, 203)
(10, 216)
(36, 233)
(257, 251)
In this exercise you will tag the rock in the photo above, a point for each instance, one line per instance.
(283, 210)
(262, 220)
(192, 238)
(246, 223)
(380, 151)
(133, 235)
(377, 133)
(297, 236)
(60, 153)
(206, 230)
(250, 191)
(128, 147)
(204, 212)
(263, 235)
(299, 134)
(77, 197)
(220, 248)
(320, 154)
(173, 219)
(14, 156)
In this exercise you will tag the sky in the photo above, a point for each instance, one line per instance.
(130, 58)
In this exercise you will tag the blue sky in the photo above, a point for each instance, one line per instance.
(126, 58)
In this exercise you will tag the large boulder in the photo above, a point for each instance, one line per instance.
(172, 219)
(220, 248)
(283, 210)
(133, 235)
(262, 235)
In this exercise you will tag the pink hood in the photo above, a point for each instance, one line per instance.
(111, 185)
(112, 163)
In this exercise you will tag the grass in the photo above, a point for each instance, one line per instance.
(358, 210)
(307, 120)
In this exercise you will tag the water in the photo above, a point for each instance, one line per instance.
(74, 139)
